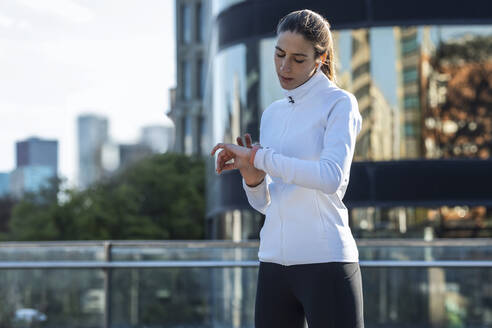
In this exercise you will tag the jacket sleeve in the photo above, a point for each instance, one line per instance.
(259, 196)
(343, 124)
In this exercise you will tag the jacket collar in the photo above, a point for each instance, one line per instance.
(297, 94)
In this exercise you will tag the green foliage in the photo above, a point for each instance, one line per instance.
(6, 205)
(161, 197)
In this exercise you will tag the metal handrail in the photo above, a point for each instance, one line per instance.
(108, 266)
(246, 243)
(221, 264)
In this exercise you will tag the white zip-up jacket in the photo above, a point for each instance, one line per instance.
(308, 141)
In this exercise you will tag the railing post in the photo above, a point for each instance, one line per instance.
(107, 286)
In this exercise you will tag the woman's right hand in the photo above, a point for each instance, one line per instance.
(252, 176)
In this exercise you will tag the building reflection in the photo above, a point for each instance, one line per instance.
(424, 92)
(438, 107)
(457, 120)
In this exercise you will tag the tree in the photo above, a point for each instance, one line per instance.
(161, 197)
(6, 205)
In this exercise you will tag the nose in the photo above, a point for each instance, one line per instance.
(285, 65)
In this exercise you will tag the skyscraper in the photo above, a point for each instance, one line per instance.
(159, 138)
(30, 178)
(92, 134)
(36, 151)
(37, 163)
(187, 110)
(4, 184)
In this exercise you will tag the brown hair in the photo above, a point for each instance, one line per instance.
(314, 28)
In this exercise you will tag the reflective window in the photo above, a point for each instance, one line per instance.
(409, 45)
(411, 101)
(185, 23)
(200, 80)
(200, 20)
(188, 138)
(409, 129)
(220, 5)
(410, 74)
(186, 79)
(203, 136)
(270, 89)
(229, 93)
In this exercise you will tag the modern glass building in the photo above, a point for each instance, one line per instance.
(187, 110)
(36, 151)
(159, 138)
(4, 183)
(92, 133)
(36, 163)
(30, 178)
(420, 72)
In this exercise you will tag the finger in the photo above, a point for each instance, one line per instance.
(224, 165)
(217, 163)
(227, 167)
(248, 140)
(219, 145)
(223, 157)
(221, 162)
(240, 141)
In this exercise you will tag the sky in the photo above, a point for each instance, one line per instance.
(61, 58)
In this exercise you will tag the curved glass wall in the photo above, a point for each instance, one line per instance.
(229, 93)
(234, 106)
(220, 5)
(424, 93)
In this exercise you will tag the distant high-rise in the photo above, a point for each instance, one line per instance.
(361, 87)
(37, 163)
(409, 52)
(132, 153)
(36, 151)
(159, 138)
(92, 135)
(192, 42)
(4, 184)
(30, 178)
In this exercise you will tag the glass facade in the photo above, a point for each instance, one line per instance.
(35, 151)
(200, 78)
(221, 5)
(186, 79)
(188, 137)
(185, 23)
(200, 19)
(423, 93)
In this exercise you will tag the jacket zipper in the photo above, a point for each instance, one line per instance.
(283, 187)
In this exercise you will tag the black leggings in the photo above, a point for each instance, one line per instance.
(326, 294)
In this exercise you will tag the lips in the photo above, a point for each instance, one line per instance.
(285, 79)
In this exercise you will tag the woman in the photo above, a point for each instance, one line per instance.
(297, 176)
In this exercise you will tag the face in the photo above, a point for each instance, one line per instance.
(295, 59)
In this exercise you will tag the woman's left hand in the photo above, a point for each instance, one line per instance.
(240, 155)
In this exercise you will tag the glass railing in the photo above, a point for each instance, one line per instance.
(407, 283)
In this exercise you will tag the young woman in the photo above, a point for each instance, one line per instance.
(297, 176)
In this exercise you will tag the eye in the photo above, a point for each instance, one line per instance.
(299, 61)
(279, 55)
